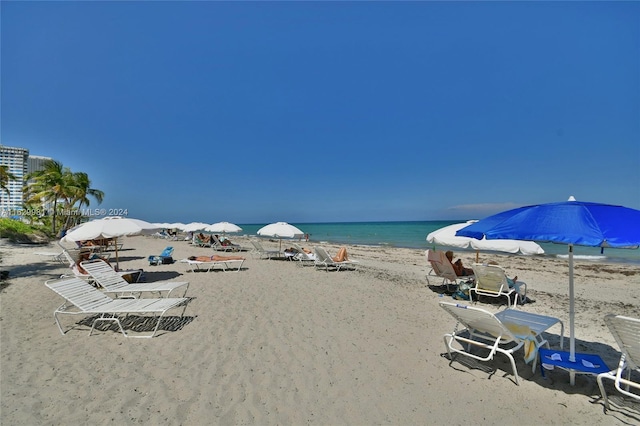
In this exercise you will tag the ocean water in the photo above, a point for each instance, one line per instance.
(414, 234)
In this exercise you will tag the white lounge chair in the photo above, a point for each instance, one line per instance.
(505, 332)
(626, 331)
(325, 260)
(112, 282)
(71, 261)
(303, 258)
(217, 245)
(83, 299)
(70, 255)
(52, 255)
(442, 268)
(199, 265)
(258, 249)
(491, 280)
(196, 241)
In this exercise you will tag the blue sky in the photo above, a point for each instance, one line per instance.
(252, 112)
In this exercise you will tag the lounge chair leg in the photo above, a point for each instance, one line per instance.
(55, 316)
(515, 370)
(602, 391)
(112, 319)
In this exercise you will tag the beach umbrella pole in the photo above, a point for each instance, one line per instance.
(115, 240)
(572, 341)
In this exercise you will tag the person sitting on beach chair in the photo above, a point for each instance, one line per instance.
(461, 271)
(517, 285)
(206, 239)
(298, 253)
(225, 241)
(341, 256)
(130, 276)
(294, 250)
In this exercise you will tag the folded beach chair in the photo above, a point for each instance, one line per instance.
(258, 249)
(325, 260)
(626, 331)
(83, 299)
(442, 268)
(112, 282)
(163, 258)
(491, 280)
(505, 333)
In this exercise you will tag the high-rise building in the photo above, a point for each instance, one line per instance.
(16, 161)
(19, 163)
(36, 163)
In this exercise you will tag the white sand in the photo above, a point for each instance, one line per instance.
(280, 344)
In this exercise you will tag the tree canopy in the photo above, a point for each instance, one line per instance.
(57, 186)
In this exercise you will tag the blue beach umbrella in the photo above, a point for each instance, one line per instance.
(571, 223)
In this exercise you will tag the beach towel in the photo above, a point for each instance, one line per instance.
(463, 291)
(530, 343)
(434, 256)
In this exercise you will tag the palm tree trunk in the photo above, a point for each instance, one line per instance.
(53, 220)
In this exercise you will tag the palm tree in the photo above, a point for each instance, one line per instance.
(56, 185)
(50, 185)
(5, 177)
(79, 191)
(82, 189)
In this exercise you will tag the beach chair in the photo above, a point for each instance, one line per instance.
(53, 256)
(258, 249)
(505, 333)
(626, 331)
(491, 280)
(325, 260)
(162, 258)
(217, 245)
(200, 265)
(71, 261)
(112, 282)
(200, 243)
(83, 299)
(303, 258)
(442, 268)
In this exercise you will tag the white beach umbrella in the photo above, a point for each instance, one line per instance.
(223, 228)
(446, 236)
(168, 225)
(195, 226)
(109, 227)
(280, 230)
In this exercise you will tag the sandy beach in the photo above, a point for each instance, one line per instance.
(277, 343)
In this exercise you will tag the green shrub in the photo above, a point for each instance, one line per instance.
(19, 231)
